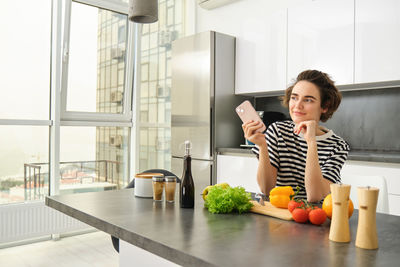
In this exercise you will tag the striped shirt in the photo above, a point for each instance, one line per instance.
(288, 151)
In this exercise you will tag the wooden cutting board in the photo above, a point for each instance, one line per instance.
(271, 210)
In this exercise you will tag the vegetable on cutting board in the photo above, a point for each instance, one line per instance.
(282, 196)
(205, 191)
(228, 199)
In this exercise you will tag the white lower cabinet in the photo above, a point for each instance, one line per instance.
(394, 204)
(130, 255)
(238, 171)
(391, 173)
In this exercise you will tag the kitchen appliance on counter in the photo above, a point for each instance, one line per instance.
(203, 102)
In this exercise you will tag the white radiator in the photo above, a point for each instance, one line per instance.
(32, 220)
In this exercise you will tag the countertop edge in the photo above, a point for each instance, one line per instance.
(149, 245)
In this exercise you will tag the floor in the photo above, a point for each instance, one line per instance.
(92, 249)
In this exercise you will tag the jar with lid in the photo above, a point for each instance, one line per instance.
(158, 187)
(143, 184)
(170, 186)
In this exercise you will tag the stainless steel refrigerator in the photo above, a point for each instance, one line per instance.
(203, 103)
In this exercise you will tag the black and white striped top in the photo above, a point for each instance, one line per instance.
(288, 151)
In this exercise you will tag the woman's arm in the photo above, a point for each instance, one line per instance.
(266, 173)
(317, 187)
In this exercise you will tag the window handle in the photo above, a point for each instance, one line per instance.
(65, 53)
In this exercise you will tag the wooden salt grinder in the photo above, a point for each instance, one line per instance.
(367, 236)
(340, 229)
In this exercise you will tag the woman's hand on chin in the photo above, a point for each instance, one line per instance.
(308, 128)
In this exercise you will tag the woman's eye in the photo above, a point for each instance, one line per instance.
(308, 100)
(293, 98)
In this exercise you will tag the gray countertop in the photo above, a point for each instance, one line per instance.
(195, 237)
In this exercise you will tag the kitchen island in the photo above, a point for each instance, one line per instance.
(195, 237)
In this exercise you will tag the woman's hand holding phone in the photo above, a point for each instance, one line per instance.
(253, 127)
(251, 133)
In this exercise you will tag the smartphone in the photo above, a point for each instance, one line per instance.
(247, 113)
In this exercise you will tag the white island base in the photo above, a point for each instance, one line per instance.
(130, 255)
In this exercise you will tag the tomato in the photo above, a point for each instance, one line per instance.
(300, 215)
(294, 204)
(317, 216)
(309, 209)
(327, 206)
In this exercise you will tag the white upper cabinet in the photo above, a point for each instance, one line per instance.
(377, 41)
(261, 54)
(321, 36)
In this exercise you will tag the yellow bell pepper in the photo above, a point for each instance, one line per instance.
(280, 196)
(282, 190)
(280, 201)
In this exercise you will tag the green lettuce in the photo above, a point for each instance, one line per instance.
(226, 200)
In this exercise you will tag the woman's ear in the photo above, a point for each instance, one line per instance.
(325, 109)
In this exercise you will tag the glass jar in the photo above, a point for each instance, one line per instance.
(170, 186)
(158, 187)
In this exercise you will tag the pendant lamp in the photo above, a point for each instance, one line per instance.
(143, 11)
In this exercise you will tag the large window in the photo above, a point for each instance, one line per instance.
(65, 97)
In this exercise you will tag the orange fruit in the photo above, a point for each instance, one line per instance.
(327, 206)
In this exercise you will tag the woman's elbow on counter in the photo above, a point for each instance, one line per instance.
(314, 198)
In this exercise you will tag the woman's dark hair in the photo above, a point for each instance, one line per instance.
(330, 95)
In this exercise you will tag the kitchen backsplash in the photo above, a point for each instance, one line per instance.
(367, 119)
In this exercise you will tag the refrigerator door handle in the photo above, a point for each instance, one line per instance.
(212, 133)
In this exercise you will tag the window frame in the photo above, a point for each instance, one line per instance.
(80, 118)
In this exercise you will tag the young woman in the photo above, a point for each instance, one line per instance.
(300, 152)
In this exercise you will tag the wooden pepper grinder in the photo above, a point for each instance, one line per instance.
(340, 229)
(367, 236)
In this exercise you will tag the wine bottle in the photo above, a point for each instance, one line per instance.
(187, 184)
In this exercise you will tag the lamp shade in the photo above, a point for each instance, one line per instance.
(143, 11)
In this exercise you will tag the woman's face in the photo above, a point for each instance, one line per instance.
(305, 102)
